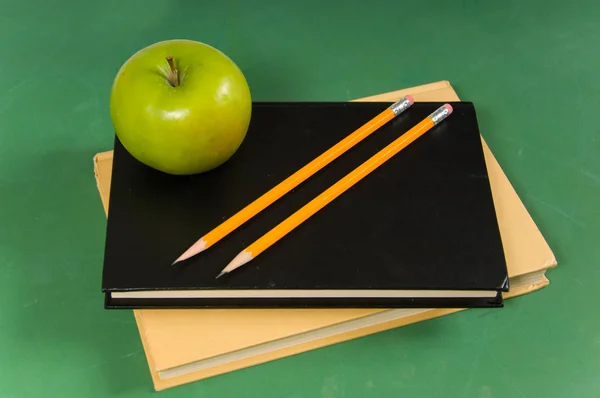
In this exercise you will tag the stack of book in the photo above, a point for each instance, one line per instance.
(438, 229)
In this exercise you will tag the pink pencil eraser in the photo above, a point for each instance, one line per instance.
(449, 107)
(410, 99)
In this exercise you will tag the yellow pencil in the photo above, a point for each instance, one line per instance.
(297, 178)
(336, 189)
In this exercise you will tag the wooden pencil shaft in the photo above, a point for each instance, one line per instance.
(297, 178)
(338, 188)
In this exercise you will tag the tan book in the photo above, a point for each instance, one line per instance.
(187, 345)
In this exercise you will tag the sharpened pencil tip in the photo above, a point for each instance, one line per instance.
(242, 258)
(196, 248)
(221, 274)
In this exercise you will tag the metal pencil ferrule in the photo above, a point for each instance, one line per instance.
(400, 106)
(440, 114)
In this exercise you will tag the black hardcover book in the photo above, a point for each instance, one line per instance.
(419, 231)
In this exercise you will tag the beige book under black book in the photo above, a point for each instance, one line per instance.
(187, 345)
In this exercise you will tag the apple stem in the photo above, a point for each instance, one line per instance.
(173, 76)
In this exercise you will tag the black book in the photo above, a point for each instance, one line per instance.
(419, 231)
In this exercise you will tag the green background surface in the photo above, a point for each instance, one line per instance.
(532, 69)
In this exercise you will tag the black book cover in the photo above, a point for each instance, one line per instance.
(424, 220)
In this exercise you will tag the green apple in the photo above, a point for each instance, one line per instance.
(180, 106)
